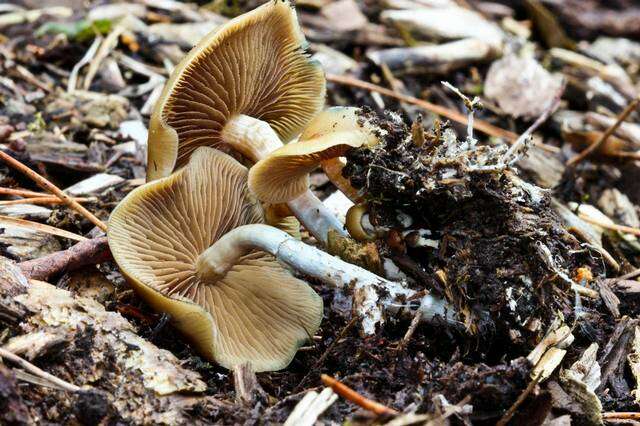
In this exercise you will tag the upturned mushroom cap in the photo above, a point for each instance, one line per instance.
(284, 174)
(255, 65)
(257, 312)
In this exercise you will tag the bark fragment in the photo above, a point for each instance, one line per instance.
(134, 381)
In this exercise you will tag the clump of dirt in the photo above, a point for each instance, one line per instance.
(459, 220)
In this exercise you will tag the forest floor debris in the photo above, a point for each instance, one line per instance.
(535, 249)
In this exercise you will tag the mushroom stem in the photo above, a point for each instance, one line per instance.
(372, 295)
(251, 137)
(315, 217)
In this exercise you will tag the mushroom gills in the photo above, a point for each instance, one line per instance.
(249, 85)
(253, 68)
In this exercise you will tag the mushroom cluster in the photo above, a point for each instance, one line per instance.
(193, 241)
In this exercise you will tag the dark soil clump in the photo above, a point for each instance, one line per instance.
(471, 230)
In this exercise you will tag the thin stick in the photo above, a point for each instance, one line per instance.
(108, 44)
(30, 78)
(629, 275)
(88, 56)
(33, 194)
(584, 291)
(523, 396)
(38, 372)
(84, 253)
(612, 226)
(591, 148)
(41, 200)
(479, 125)
(622, 416)
(625, 154)
(351, 395)
(548, 111)
(412, 329)
(40, 227)
(45, 184)
(22, 192)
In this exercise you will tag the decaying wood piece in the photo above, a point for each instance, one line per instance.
(613, 355)
(89, 252)
(634, 362)
(580, 382)
(439, 59)
(142, 383)
(37, 344)
(23, 244)
(248, 390)
(450, 23)
(44, 183)
(311, 407)
(549, 352)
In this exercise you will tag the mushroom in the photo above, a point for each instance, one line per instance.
(354, 225)
(255, 311)
(284, 174)
(247, 87)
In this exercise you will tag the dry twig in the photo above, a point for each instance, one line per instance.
(88, 56)
(523, 396)
(22, 192)
(88, 252)
(629, 275)
(41, 200)
(326, 353)
(594, 146)
(351, 395)
(412, 329)
(621, 416)
(45, 184)
(611, 226)
(107, 45)
(549, 110)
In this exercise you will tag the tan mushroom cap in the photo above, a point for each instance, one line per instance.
(284, 174)
(258, 312)
(254, 65)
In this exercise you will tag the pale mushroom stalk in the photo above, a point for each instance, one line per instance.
(282, 176)
(251, 137)
(315, 217)
(255, 139)
(373, 295)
